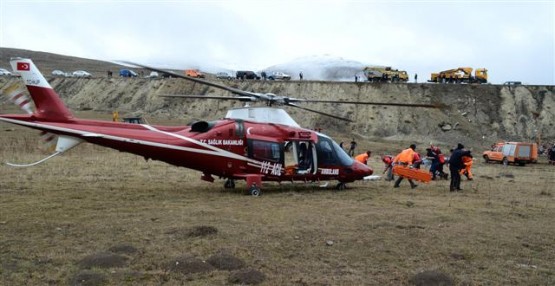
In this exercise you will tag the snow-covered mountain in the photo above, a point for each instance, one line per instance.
(322, 67)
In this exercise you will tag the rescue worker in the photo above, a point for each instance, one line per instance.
(115, 116)
(352, 148)
(388, 161)
(363, 158)
(455, 166)
(551, 154)
(438, 160)
(405, 158)
(416, 160)
(434, 158)
(440, 172)
(467, 163)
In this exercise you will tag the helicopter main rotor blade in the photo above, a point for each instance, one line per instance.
(197, 80)
(238, 98)
(368, 103)
(319, 112)
(271, 98)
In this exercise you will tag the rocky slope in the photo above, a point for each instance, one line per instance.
(477, 114)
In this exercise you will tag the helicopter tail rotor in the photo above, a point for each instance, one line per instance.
(20, 98)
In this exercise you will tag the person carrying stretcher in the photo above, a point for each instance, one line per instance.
(405, 158)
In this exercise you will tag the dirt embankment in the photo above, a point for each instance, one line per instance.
(478, 114)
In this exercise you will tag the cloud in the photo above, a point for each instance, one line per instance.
(514, 40)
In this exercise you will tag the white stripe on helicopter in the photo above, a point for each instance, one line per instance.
(215, 151)
(222, 152)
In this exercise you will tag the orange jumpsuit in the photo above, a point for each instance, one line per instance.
(406, 157)
(467, 162)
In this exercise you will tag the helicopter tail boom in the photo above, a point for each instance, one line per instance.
(48, 104)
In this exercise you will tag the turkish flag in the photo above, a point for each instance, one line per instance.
(23, 66)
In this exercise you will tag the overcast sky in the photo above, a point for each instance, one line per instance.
(514, 40)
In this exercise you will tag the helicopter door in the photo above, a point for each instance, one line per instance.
(306, 157)
(289, 157)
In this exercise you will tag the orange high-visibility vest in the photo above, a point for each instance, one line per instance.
(363, 158)
(406, 156)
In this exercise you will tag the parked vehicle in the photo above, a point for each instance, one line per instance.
(152, 74)
(5, 72)
(194, 73)
(246, 75)
(279, 76)
(385, 74)
(461, 75)
(512, 153)
(81, 73)
(134, 120)
(223, 75)
(58, 73)
(127, 73)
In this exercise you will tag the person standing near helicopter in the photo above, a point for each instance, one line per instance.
(352, 148)
(363, 158)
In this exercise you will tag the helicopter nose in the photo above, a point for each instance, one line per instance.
(362, 170)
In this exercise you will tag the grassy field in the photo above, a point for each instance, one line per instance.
(96, 216)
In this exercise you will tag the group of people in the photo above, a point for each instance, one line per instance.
(459, 161)
(352, 147)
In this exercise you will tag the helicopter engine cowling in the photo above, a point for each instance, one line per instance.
(201, 126)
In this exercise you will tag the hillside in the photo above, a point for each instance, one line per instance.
(488, 111)
(477, 114)
(47, 62)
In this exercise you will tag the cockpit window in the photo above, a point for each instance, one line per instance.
(330, 153)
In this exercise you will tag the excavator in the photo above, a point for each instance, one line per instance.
(385, 74)
(461, 75)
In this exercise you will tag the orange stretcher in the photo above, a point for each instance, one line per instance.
(411, 173)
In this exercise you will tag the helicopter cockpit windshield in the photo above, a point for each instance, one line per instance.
(330, 153)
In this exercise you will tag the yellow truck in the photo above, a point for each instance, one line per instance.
(461, 75)
(385, 74)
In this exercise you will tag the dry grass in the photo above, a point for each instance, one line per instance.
(91, 201)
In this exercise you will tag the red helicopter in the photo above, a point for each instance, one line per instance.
(254, 144)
